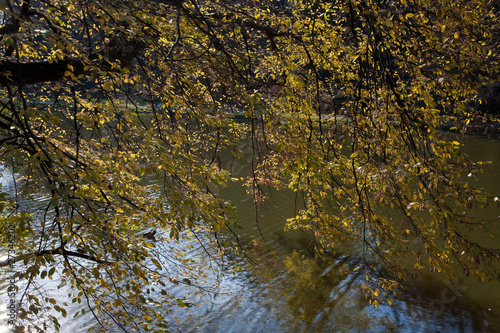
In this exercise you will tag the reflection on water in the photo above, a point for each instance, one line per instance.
(285, 288)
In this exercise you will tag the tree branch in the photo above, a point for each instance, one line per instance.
(61, 251)
(178, 28)
(36, 72)
(15, 73)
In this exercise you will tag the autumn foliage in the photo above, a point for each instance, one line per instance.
(118, 111)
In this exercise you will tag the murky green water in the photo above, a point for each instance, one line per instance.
(285, 288)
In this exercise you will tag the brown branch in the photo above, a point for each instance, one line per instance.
(61, 251)
(15, 73)
(84, 256)
(35, 72)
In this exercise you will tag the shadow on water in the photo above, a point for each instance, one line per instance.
(292, 292)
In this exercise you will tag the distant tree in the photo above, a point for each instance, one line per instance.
(343, 101)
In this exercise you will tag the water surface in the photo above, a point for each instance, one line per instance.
(284, 287)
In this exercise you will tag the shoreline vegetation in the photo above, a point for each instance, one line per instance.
(489, 129)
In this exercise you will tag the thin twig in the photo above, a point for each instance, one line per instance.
(178, 19)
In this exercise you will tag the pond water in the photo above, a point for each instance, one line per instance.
(284, 288)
